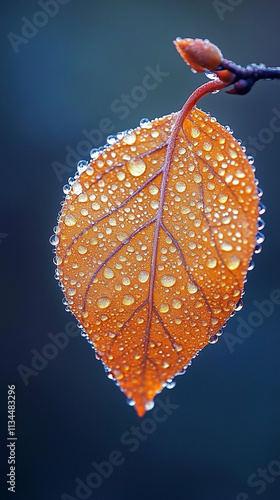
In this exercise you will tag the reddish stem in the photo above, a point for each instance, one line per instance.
(189, 104)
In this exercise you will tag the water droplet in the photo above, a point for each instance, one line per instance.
(71, 292)
(211, 262)
(260, 238)
(262, 208)
(207, 146)
(153, 189)
(70, 220)
(176, 304)
(180, 186)
(222, 198)
(126, 281)
(213, 339)
(143, 276)
(154, 134)
(121, 175)
(145, 122)
(239, 305)
(164, 308)
(130, 138)
(54, 240)
(111, 139)
(149, 405)
(77, 188)
(195, 132)
(261, 224)
(227, 247)
(233, 263)
(128, 300)
(170, 385)
(108, 273)
(192, 288)
(136, 167)
(103, 302)
(121, 236)
(197, 178)
(130, 402)
(82, 250)
(66, 189)
(94, 153)
(154, 204)
(95, 206)
(81, 166)
(168, 280)
(258, 249)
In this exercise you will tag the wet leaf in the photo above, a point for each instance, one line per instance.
(154, 245)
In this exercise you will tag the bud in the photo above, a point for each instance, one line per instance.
(199, 54)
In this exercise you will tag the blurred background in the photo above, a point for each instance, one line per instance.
(65, 67)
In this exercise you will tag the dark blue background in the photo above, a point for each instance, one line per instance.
(61, 82)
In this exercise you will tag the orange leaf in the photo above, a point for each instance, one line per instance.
(154, 245)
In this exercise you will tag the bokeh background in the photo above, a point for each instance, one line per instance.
(58, 82)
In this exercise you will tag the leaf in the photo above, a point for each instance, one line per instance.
(155, 238)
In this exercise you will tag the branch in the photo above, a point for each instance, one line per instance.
(203, 55)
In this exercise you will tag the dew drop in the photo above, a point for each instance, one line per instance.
(70, 220)
(82, 250)
(176, 304)
(54, 240)
(180, 186)
(143, 276)
(164, 308)
(233, 263)
(121, 175)
(149, 405)
(66, 189)
(195, 132)
(154, 204)
(192, 288)
(103, 302)
(222, 198)
(112, 221)
(211, 262)
(121, 236)
(153, 189)
(128, 300)
(207, 146)
(130, 138)
(108, 273)
(168, 280)
(95, 205)
(197, 178)
(71, 292)
(77, 188)
(227, 247)
(136, 167)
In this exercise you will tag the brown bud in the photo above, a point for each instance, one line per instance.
(199, 54)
